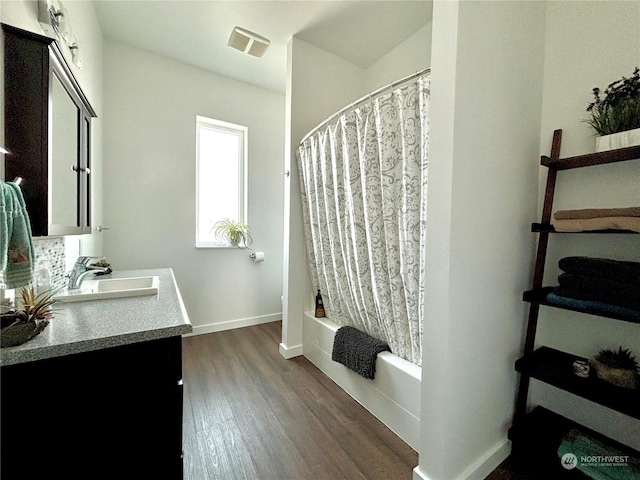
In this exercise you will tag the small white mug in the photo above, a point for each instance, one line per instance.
(581, 368)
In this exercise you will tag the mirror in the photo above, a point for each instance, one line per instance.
(65, 160)
(69, 153)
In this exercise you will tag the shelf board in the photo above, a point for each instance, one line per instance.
(591, 159)
(555, 368)
(547, 228)
(539, 296)
(537, 438)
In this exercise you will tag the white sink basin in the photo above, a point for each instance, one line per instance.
(111, 288)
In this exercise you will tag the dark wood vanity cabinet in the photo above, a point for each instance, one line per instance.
(48, 132)
(114, 413)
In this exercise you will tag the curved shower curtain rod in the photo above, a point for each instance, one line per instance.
(363, 99)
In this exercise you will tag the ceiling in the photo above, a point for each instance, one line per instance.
(196, 32)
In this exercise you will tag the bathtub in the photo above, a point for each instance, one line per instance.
(393, 397)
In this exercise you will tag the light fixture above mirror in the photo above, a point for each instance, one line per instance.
(54, 18)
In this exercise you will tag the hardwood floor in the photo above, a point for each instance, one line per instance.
(251, 414)
(510, 469)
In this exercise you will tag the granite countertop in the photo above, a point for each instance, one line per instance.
(97, 324)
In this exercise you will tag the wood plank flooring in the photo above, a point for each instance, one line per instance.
(251, 414)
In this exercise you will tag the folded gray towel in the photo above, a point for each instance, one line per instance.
(357, 351)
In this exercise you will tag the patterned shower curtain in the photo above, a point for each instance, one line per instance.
(364, 188)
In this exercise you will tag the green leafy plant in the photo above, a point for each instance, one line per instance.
(619, 110)
(22, 325)
(622, 359)
(236, 233)
(36, 307)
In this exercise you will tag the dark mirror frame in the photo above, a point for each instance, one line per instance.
(30, 61)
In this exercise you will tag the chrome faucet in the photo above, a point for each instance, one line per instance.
(82, 269)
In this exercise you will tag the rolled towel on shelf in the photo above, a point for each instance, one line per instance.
(616, 270)
(357, 351)
(597, 212)
(574, 225)
(604, 290)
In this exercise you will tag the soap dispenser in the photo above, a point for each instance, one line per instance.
(319, 306)
(42, 280)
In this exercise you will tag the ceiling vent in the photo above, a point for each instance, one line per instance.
(248, 42)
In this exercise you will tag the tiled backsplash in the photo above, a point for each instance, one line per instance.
(49, 253)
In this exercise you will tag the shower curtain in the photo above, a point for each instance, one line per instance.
(363, 181)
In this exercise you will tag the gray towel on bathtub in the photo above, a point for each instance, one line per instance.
(357, 351)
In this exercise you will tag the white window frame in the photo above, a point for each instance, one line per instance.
(243, 157)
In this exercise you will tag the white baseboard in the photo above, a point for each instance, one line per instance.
(488, 462)
(232, 324)
(418, 475)
(481, 468)
(290, 352)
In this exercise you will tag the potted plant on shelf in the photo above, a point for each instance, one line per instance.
(617, 368)
(616, 117)
(19, 326)
(236, 233)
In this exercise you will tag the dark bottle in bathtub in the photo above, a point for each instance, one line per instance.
(319, 306)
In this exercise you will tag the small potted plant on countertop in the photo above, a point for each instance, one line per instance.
(618, 368)
(236, 233)
(19, 326)
(616, 117)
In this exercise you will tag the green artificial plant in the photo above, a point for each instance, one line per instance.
(619, 110)
(19, 326)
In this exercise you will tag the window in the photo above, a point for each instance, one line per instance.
(221, 159)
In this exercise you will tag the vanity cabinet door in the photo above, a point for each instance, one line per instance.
(114, 413)
(48, 132)
(26, 108)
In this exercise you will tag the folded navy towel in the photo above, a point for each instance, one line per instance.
(619, 271)
(357, 351)
(592, 306)
(604, 290)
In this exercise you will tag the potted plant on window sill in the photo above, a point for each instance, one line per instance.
(238, 234)
(616, 117)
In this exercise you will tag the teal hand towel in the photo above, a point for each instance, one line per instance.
(16, 243)
(597, 460)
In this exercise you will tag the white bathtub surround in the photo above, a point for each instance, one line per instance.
(393, 396)
(363, 181)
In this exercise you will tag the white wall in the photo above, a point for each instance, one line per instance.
(587, 44)
(318, 84)
(410, 56)
(24, 14)
(487, 60)
(150, 184)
